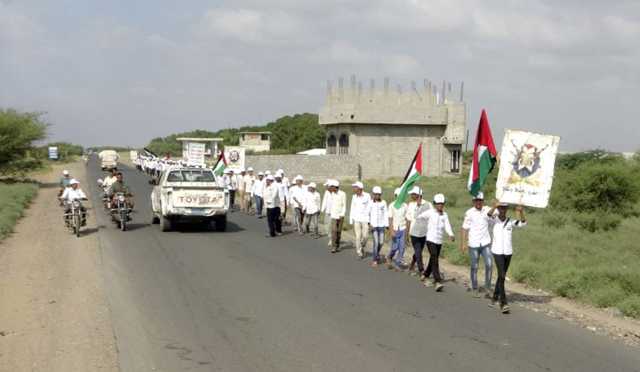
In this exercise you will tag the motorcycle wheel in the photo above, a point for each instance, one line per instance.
(123, 221)
(76, 225)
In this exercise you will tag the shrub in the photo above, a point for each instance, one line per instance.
(593, 222)
(630, 306)
(13, 200)
(554, 220)
(18, 132)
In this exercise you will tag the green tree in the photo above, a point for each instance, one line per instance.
(18, 133)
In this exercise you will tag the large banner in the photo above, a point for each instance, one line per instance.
(195, 153)
(526, 168)
(235, 157)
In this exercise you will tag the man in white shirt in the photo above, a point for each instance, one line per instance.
(272, 203)
(437, 225)
(249, 178)
(71, 193)
(379, 222)
(417, 229)
(501, 247)
(284, 195)
(241, 189)
(297, 195)
(326, 209)
(475, 236)
(258, 192)
(232, 184)
(398, 225)
(311, 209)
(359, 216)
(338, 211)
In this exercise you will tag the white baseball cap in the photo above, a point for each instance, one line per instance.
(227, 171)
(438, 199)
(377, 190)
(358, 184)
(503, 204)
(270, 178)
(267, 172)
(65, 172)
(280, 171)
(396, 192)
(298, 178)
(260, 174)
(74, 182)
(415, 190)
(334, 183)
(312, 185)
(479, 196)
(250, 169)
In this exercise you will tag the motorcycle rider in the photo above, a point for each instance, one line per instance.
(71, 193)
(111, 179)
(64, 181)
(119, 187)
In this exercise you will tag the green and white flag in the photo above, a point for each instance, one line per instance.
(484, 156)
(220, 166)
(413, 175)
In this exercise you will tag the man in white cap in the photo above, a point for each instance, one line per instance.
(398, 225)
(233, 188)
(64, 181)
(326, 209)
(311, 207)
(379, 222)
(241, 189)
(257, 190)
(338, 211)
(284, 195)
(272, 203)
(249, 178)
(476, 238)
(417, 229)
(437, 225)
(359, 216)
(285, 180)
(71, 193)
(297, 195)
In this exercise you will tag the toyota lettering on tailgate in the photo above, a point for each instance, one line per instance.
(198, 199)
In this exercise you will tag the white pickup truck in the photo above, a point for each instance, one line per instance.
(189, 194)
(108, 159)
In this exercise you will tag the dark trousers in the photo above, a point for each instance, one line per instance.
(232, 198)
(336, 232)
(258, 205)
(418, 246)
(502, 264)
(273, 221)
(434, 263)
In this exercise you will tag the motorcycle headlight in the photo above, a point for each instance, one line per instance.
(76, 204)
(121, 198)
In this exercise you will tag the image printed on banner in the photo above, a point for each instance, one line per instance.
(526, 168)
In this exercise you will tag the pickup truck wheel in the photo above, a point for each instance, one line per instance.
(166, 224)
(221, 223)
(155, 220)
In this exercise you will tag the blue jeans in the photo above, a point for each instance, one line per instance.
(474, 255)
(258, 205)
(378, 240)
(397, 248)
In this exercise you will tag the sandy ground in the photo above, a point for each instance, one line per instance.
(53, 310)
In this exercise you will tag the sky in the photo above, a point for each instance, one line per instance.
(123, 72)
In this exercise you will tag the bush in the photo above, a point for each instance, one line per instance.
(554, 220)
(13, 200)
(630, 306)
(18, 132)
(593, 222)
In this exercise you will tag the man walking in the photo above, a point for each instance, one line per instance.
(249, 179)
(311, 207)
(475, 237)
(338, 211)
(437, 225)
(258, 192)
(283, 193)
(272, 203)
(240, 181)
(379, 222)
(418, 230)
(398, 224)
(297, 195)
(326, 209)
(359, 216)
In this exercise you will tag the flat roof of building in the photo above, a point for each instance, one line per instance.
(255, 132)
(200, 139)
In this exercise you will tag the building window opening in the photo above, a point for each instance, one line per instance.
(455, 161)
(331, 144)
(264, 137)
(344, 144)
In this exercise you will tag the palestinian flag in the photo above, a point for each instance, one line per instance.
(484, 156)
(413, 175)
(221, 164)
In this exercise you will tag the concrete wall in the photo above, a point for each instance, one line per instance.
(315, 168)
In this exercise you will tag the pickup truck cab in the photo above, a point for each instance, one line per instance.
(189, 194)
(108, 159)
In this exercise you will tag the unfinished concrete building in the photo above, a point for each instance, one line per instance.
(381, 129)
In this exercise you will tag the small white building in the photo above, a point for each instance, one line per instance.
(256, 141)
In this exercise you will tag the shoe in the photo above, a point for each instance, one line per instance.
(423, 278)
(476, 293)
(334, 250)
(374, 264)
(493, 304)
(439, 287)
(427, 284)
(505, 309)
(389, 264)
(487, 295)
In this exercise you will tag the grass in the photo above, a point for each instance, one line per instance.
(551, 253)
(14, 198)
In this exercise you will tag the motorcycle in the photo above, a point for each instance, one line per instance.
(120, 211)
(106, 200)
(74, 216)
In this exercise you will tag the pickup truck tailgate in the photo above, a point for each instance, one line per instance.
(198, 198)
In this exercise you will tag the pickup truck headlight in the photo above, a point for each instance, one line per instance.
(121, 198)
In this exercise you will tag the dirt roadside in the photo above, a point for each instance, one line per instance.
(54, 314)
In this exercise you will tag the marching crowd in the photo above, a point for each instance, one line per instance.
(486, 231)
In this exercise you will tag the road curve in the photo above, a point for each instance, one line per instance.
(236, 301)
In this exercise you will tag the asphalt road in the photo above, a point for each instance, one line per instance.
(237, 301)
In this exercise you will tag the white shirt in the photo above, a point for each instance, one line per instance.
(248, 182)
(378, 214)
(258, 188)
(297, 193)
(398, 217)
(311, 202)
(109, 181)
(502, 231)
(326, 202)
(70, 194)
(360, 208)
(283, 190)
(271, 196)
(241, 183)
(437, 225)
(418, 226)
(477, 223)
(338, 205)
